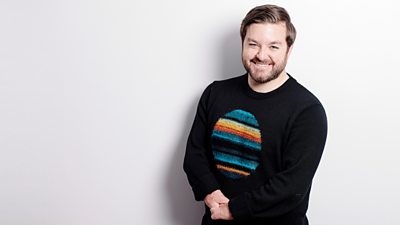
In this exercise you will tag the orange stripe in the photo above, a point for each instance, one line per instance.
(237, 132)
(232, 170)
(240, 127)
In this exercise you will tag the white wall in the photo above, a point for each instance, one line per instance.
(97, 98)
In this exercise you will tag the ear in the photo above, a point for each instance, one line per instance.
(289, 51)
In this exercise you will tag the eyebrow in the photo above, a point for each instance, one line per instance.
(251, 40)
(276, 43)
(271, 43)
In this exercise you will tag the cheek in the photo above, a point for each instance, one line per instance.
(279, 56)
(248, 54)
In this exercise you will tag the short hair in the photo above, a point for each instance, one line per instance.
(269, 14)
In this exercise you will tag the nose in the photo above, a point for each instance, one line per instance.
(262, 54)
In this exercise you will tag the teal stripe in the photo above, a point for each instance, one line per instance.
(235, 152)
(243, 116)
(235, 160)
(232, 175)
(236, 139)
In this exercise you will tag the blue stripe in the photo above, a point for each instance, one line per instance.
(235, 152)
(243, 116)
(235, 160)
(237, 139)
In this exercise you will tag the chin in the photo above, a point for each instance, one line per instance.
(261, 79)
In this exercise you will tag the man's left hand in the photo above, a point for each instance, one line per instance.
(221, 212)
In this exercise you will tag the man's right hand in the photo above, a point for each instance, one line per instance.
(215, 198)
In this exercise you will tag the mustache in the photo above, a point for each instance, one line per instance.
(257, 60)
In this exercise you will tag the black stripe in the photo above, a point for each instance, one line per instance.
(232, 175)
(228, 144)
(253, 156)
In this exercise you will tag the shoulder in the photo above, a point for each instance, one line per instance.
(301, 101)
(221, 87)
(227, 83)
(300, 95)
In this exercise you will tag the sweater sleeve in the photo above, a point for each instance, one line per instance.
(196, 163)
(286, 190)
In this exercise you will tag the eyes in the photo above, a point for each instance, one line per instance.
(255, 45)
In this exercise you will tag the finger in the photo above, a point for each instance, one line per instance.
(215, 216)
(211, 204)
(224, 200)
(214, 213)
(214, 210)
(214, 205)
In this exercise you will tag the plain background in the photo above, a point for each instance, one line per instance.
(97, 99)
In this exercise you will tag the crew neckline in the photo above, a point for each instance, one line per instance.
(259, 95)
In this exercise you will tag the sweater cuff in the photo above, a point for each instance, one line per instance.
(205, 186)
(239, 208)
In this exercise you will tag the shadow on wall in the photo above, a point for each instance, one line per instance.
(184, 210)
(231, 55)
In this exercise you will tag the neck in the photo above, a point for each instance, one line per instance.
(270, 85)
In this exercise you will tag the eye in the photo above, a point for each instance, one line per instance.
(252, 44)
(274, 47)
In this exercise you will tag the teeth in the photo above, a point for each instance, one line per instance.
(262, 64)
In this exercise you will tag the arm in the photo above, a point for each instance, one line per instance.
(286, 190)
(196, 163)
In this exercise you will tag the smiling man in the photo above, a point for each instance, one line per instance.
(257, 139)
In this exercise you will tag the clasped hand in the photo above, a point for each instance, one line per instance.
(218, 204)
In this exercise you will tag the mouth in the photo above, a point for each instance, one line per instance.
(259, 64)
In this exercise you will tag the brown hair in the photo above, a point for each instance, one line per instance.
(269, 14)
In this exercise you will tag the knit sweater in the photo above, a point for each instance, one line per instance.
(260, 149)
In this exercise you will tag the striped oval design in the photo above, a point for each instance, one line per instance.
(236, 144)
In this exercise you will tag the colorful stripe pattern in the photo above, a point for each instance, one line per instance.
(236, 144)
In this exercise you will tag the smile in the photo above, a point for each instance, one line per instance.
(262, 65)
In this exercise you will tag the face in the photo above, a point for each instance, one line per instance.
(265, 52)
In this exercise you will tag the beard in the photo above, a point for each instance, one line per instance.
(259, 75)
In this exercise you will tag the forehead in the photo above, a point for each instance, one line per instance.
(267, 32)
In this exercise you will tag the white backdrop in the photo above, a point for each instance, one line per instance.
(97, 98)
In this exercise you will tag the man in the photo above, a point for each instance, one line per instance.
(257, 139)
